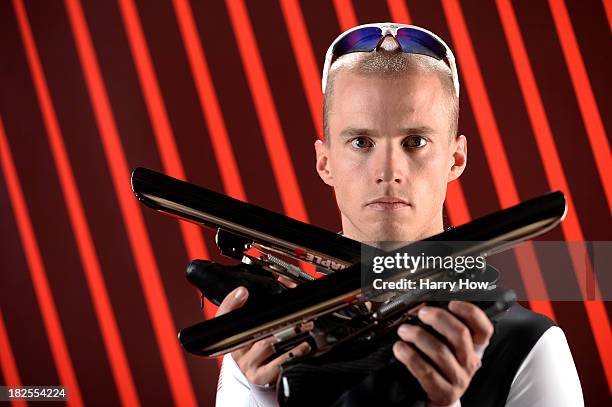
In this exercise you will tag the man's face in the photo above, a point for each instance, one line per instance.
(390, 155)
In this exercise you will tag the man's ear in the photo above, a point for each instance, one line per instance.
(459, 158)
(323, 169)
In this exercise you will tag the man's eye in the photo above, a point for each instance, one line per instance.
(361, 143)
(415, 142)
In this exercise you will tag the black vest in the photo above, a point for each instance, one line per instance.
(392, 385)
(515, 335)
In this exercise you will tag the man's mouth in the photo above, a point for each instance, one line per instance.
(387, 203)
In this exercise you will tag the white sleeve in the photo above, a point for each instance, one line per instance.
(547, 376)
(234, 390)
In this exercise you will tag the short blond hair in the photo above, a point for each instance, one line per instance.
(390, 61)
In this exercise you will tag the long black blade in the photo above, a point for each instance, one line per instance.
(203, 206)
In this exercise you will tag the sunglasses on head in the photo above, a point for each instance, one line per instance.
(411, 39)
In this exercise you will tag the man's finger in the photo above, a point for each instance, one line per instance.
(437, 388)
(435, 350)
(245, 351)
(270, 371)
(456, 332)
(286, 282)
(234, 300)
(476, 320)
(260, 351)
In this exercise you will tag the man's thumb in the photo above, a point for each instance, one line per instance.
(234, 300)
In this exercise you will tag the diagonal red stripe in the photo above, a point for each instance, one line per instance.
(164, 136)
(542, 131)
(8, 367)
(222, 147)
(162, 130)
(608, 7)
(211, 110)
(494, 150)
(46, 303)
(146, 265)
(89, 258)
(346, 14)
(399, 11)
(491, 138)
(274, 138)
(456, 205)
(584, 94)
(306, 61)
(554, 172)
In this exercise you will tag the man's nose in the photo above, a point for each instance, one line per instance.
(389, 165)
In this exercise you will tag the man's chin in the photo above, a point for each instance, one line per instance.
(391, 231)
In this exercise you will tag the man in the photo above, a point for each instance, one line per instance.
(391, 147)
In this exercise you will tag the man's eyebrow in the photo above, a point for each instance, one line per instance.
(354, 131)
(417, 130)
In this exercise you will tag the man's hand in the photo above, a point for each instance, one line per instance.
(251, 359)
(455, 363)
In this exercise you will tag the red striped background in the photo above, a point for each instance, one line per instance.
(227, 95)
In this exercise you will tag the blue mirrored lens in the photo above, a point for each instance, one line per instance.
(419, 42)
(362, 40)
